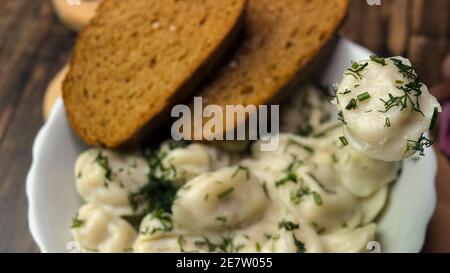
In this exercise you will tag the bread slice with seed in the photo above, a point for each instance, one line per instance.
(281, 38)
(137, 58)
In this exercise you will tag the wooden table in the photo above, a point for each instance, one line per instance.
(34, 46)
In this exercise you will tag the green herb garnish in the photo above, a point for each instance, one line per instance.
(364, 96)
(181, 243)
(345, 92)
(225, 245)
(291, 177)
(356, 70)
(299, 244)
(287, 225)
(266, 191)
(103, 161)
(406, 70)
(434, 118)
(341, 117)
(322, 186)
(222, 219)
(159, 192)
(387, 123)
(165, 220)
(244, 169)
(77, 222)
(343, 140)
(317, 198)
(225, 193)
(351, 105)
(378, 60)
(418, 145)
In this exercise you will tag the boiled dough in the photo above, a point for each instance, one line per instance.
(73, 15)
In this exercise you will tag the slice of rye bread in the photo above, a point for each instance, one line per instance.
(137, 58)
(281, 40)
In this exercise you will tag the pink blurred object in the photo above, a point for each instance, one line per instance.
(446, 68)
(444, 130)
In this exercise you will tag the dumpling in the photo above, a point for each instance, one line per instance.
(349, 241)
(326, 205)
(362, 175)
(293, 236)
(163, 244)
(229, 197)
(305, 111)
(98, 229)
(289, 145)
(385, 108)
(193, 160)
(155, 224)
(175, 243)
(372, 205)
(107, 178)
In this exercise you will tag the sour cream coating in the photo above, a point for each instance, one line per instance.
(299, 198)
(228, 198)
(107, 178)
(385, 108)
(99, 229)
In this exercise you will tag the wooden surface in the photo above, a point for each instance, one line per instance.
(34, 46)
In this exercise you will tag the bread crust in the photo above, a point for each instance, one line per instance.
(88, 103)
(293, 46)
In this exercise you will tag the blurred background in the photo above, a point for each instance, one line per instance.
(34, 46)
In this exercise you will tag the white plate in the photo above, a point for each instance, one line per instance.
(53, 200)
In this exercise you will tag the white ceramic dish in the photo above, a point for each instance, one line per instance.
(53, 200)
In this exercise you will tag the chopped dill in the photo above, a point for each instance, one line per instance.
(345, 92)
(320, 184)
(225, 245)
(291, 177)
(159, 192)
(225, 193)
(341, 117)
(317, 198)
(378, 60)
(266, 191)
(406, 70)
(299, 244)
(343, 140)
(77, 222)
(387, 123)
(181, 242)
(356, 70)
(352, 104)
(244, 169)
(165, 220)
(418, 145)
(434, 118)
(287, 225)
(364, 96)
(222, 219)
(298, 194)
(103, 161)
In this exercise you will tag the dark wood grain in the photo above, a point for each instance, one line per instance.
(34, 46)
